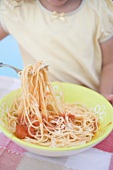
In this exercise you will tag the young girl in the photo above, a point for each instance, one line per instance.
(75, 37)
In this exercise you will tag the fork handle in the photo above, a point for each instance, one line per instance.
(7, 65)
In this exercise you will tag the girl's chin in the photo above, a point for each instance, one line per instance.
(57, 2)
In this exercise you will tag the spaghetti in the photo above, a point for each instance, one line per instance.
(37, 116)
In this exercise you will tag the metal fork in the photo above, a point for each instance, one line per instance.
(7, 65)
(16, 69)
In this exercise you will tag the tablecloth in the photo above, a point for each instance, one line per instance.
(13, 157)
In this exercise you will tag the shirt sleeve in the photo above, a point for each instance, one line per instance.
(106, 20)
(3, 12)
(7, 13)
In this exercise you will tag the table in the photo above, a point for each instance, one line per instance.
(14, 157)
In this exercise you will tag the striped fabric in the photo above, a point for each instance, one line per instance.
(13, 157)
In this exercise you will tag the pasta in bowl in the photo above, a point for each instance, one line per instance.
(54, 119)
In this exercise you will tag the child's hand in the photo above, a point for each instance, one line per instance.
(110, 98)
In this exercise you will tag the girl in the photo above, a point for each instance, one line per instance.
(75, 37)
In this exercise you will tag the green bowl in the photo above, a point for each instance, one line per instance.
(72, 93)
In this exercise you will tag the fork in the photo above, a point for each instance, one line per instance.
(7, 65)
(16, 69)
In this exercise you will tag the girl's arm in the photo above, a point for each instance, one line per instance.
(3, 34)
(106, 81)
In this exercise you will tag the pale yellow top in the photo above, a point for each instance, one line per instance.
(69, 43)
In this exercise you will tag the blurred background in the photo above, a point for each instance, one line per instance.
(9, 54)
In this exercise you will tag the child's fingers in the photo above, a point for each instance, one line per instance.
(110, 99)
